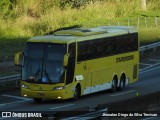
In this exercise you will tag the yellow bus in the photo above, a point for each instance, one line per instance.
(79, 61)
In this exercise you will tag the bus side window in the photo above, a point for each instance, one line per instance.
(89, 50)
(81, 51)
(93, 47)
(100, 50)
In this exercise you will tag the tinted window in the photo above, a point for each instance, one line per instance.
(109, 46)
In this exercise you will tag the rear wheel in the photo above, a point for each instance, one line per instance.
(122, 83)
(114, 85)
(38, 100)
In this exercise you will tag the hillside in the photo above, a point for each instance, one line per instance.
(34, 17)
(23, 19)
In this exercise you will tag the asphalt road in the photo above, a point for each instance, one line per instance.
(149, 82)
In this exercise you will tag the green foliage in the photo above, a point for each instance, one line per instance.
(4, 6)
(22, 19)
(37, 17)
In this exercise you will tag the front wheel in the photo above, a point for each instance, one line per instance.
(76, 94)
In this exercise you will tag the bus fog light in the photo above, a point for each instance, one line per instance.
(59, 88)
(59, 97)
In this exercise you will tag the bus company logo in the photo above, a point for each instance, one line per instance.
(124, 59)
(6, 114)
(20, 115)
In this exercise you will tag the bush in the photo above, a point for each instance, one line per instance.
(4, 7)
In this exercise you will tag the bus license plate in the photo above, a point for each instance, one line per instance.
(41, 94)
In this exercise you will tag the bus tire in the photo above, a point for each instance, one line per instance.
(37, 100)
(76, 93)
(122, 83)
(114, 85)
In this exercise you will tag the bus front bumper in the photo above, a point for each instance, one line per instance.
(55, 94)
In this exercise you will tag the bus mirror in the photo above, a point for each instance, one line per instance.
(65, 62)
(18, 59)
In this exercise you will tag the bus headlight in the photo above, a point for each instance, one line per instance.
(24, 86)
(59, 88)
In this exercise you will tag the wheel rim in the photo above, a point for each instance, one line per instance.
(75, 93)
(122, 84)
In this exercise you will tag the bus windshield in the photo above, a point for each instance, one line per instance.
(43, 63)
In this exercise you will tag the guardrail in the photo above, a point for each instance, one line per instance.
(9, 82)
(9, 78)
(151, 46)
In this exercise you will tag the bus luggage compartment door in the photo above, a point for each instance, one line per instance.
(95, 81)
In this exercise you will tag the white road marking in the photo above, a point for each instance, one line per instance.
(61, 106)
(154, 60)
(1, 105)
(145, 64)
(150, 66)
(17, 97)
(149, 70)
(123, 93)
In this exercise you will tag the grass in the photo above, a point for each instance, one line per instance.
(148, 36)
(30, 18)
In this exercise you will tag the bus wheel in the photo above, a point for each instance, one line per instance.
(114, 85)
(38, 100)
(122, 83)
(76, 93)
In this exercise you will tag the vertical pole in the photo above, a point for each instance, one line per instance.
(19, 40)
(4, 43)
(4, 52)
(156, 22)
(128, 23)
(146, 22)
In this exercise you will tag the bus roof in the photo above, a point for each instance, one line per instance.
(80, 34)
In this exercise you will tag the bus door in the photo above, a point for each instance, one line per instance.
(83, 76)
